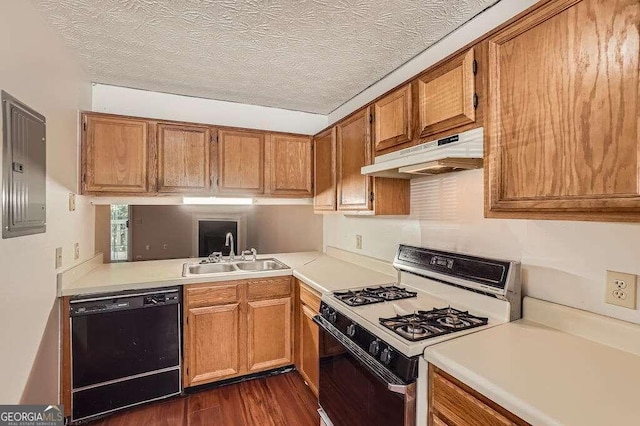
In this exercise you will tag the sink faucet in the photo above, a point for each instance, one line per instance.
(232, 255)
(214, 257)
(252, 252)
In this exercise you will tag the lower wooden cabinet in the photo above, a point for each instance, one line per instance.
(235, 328)
(208, 327)
(307, 336)
(452, 403)
(269, 347)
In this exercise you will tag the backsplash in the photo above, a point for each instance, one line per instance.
(562, 262)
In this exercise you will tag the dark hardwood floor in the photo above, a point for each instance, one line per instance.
(276, 400)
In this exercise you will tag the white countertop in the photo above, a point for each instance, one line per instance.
(327, 274)
(544, 375)
(322, 272)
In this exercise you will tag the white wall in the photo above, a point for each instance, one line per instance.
(563, 262)
(37, 69)
(142, 103)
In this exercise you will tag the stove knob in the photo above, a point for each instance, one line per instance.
(374, 347)
(324, 311)
(385, 357)
(351, 330)
(333, 317)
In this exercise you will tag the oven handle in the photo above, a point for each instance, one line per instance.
(394, 383)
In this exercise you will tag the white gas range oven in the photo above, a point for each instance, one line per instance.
(377, 335)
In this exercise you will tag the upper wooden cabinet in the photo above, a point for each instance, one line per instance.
(289, 165)
(138, 156)
(183, 158)
(324, 167)
(393, 119)
(241, 161)
(562, 134)
(115, 154)
(339, 154)
(354, 152)
(447, 95)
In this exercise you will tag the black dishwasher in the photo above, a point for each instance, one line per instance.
(125, 350)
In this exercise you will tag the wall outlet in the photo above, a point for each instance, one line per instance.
(58, 257)
(621, 289)
(72, 202)
(76, 251)
(359, 242)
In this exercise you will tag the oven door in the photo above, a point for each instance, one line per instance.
(355, 389)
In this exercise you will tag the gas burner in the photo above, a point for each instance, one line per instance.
(370, 295)
(453, 321)
(436, 322)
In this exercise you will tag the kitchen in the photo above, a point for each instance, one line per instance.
(331, 180)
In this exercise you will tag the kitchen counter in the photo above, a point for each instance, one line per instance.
(548, 376)
(320, 271)
(327, 274)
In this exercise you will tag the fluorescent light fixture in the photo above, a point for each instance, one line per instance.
(217, 201)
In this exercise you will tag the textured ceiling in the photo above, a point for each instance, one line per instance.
(306, 55)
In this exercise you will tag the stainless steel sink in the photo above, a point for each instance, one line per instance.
(261, 265)
(210, 268)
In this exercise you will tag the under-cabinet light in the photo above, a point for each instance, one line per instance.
(217, 200)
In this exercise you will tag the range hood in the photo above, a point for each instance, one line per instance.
(463, 151)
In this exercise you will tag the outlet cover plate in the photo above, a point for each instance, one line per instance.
(621, 289)
(58, 257)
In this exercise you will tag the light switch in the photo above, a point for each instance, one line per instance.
(72, 202)
(76, 251)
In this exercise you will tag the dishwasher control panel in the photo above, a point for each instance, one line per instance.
(123, 301)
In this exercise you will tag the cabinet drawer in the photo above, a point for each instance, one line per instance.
(268, 288)
(309, 297)
(462, 407)
(211, 295)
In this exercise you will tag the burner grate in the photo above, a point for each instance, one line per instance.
(436, 322)
(371, 295)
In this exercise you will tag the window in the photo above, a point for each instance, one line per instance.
(119, 232)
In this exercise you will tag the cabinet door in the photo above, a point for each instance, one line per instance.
(269, 329)
(240, 162)
(392, 119)
(212, 343)
(115, 155)
(446, 95)
(290, 164)
(309, 347)
(183, 158)
(563, 129)
(324, 167)
(354, 152)
(458, 404)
